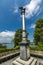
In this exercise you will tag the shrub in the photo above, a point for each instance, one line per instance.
(6, 49)
(37, 48)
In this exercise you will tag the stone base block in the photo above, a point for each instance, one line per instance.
(19, 61)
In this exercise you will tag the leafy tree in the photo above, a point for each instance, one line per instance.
(18, 37)
(38, 33)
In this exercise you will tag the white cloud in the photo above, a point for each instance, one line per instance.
(32, 26)
(15, 10)
(6, 36)
(32, 8)
(41, 9)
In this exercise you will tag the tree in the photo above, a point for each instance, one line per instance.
(38, 33)
(18, 37)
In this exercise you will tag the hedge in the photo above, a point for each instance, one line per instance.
(37, 48)
(7, 49)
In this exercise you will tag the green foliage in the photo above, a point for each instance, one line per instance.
(36, 48)
(40, 44)
(18, 37)
(7, 49)
(17, 47)
(38, 33)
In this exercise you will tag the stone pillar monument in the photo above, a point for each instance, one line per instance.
(24, 58)
(24, 46)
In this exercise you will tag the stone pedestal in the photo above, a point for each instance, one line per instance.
(24, 51)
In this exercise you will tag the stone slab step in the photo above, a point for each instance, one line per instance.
(30, 61)
(15, 63)
(38, 63)
(34, 62)
(25, 62)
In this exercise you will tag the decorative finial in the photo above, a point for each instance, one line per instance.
(22, 10)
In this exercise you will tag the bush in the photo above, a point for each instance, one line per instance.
(6, 49)
(17, 47)
(36, 48)
(40, 44)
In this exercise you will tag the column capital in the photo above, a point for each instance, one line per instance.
(22, 10)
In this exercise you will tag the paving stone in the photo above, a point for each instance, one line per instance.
(15, 63)
(34, 62)
(22, 62)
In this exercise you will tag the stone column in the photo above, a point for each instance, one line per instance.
(24, 46)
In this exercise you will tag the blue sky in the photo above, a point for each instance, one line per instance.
(10, 17)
